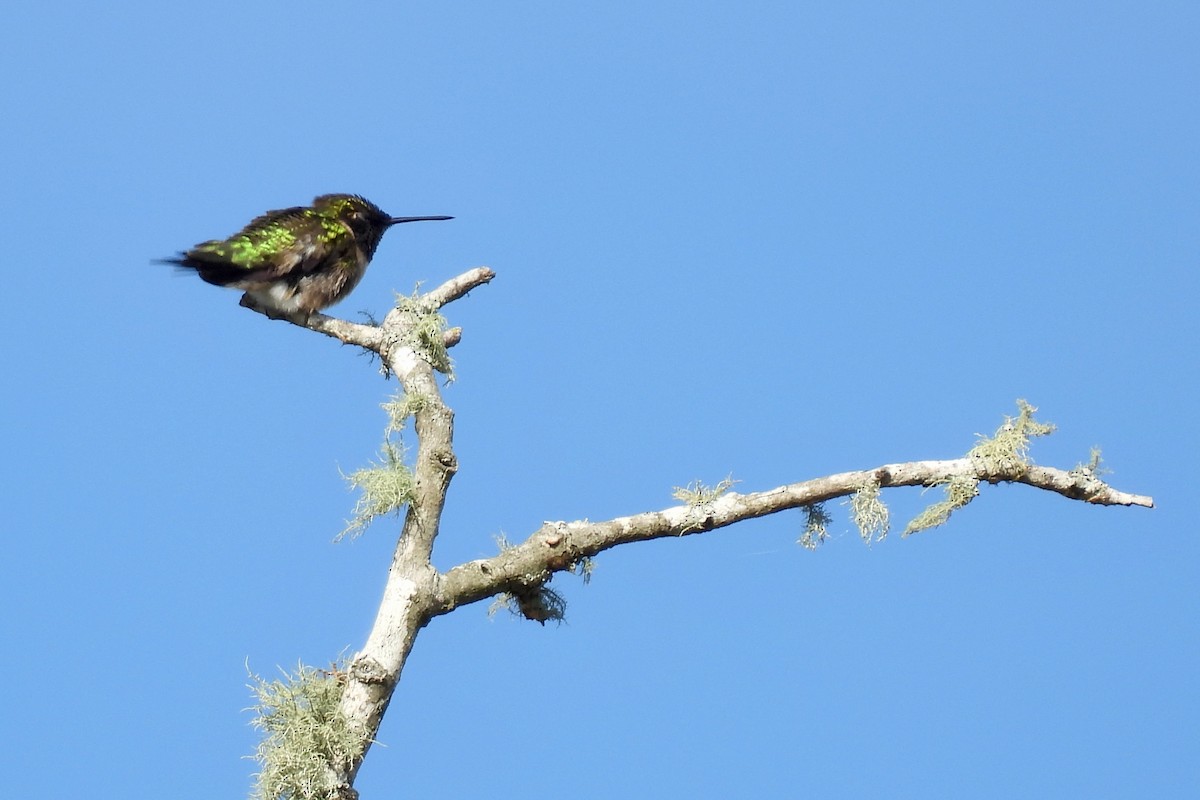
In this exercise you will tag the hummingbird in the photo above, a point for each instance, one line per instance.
(301, 259)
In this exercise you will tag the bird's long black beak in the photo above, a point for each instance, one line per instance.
(398, 220)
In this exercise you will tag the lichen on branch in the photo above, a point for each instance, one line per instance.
(960, 490)
(425, 331)
(869, 512)
(385, 487)
(1006, 452)
(412, 341)
(697, 493)
(816, 526)
(304, 733)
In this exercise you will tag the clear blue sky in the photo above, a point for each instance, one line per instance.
(773, 240)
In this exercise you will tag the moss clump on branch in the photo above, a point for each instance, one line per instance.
(869, 512)
(425, 335)
(697, 494)
(816, 526)
(584, 568)
(400, 409)
(1007, 451)
(387, 486)
(960, 490)
(1093, 469)
(303, 734)
(538, 604)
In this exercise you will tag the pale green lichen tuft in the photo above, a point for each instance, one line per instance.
(584, 568)
(400, 409)
(500, 602)
(816, 526)
(869, 512)
(697, 494)
(1093, 469)
(960, 490)
(386, 487)
(1087, 477)
(1007, 451)
(425, 333)
(304, 733)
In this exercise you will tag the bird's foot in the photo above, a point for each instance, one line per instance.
(271, 312)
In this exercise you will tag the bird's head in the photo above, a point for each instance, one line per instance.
(367, 221)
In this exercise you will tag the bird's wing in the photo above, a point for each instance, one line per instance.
(278, 245)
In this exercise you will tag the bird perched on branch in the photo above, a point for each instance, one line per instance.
(301, 259)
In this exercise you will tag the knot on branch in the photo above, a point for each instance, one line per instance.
(446, 460)
(565, 555)
(367, 670)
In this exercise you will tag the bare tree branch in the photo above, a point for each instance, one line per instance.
(408, 340)
(405, 608)
(371, 337)
(458, 287)
(368, 336)
(559, 546)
